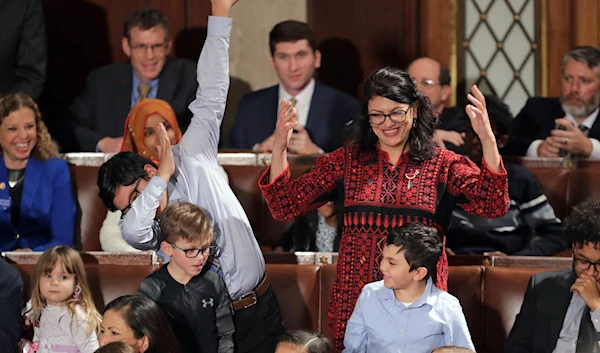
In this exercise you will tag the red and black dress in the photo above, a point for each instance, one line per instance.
(375, 197)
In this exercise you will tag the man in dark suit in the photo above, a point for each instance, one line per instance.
(561, 310)
(568, 125)
(22, 47)
(11, 300)
(98, 114)
(433, 80)
(323, 112)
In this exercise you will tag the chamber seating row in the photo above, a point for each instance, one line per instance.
(491, 296)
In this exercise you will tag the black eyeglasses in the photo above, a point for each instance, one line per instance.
(134, 194)
(208, 250)
(585, 264)
(398, 116)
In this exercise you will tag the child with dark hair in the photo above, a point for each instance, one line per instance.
(529, 228)
(405, 312)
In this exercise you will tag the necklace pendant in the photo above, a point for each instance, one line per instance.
(409, 185)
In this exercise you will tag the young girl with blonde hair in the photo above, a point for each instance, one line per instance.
(61, 308)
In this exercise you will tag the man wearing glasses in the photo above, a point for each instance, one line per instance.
(561, 310)
(98, 115)
(189, 172)
(433, 80)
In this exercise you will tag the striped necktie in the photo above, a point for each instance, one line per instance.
(144, 89)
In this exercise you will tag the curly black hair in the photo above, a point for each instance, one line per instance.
(582, 226)
(396, 85)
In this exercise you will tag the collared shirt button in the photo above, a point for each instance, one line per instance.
(595, 320)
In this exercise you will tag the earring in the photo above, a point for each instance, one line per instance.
(415, 125)
(77, 292)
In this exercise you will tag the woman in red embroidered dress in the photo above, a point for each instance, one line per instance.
(388, 173)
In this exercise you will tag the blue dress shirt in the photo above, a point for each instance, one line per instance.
(380, 323)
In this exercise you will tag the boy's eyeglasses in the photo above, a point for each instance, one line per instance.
(208, 250)
(585, 264)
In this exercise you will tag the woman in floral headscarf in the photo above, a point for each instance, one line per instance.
(141, 127)
(140, 136)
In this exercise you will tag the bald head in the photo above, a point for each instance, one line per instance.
(433, 80)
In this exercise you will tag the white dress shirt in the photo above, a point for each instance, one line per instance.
(198, 178)
(303, 100)
(588, 122)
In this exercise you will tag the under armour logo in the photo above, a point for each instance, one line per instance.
(206, 303)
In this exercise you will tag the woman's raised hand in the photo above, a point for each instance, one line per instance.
(286, 122)
(478, 115)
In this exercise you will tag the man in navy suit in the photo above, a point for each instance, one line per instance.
(323, 112)
(568, 125)
(98, 114)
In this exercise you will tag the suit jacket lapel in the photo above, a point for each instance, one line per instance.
(317, 122)
(166, 84)
(271, 107)
(595, 130)
(122, 98)
(31, 182)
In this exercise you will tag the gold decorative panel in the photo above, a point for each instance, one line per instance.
(499, 48)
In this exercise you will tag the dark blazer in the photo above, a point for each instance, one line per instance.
(102, 108)
(329, 112)
(23, 55)
(11, 300)
(47, 207)
(545, 305)
(535, 122)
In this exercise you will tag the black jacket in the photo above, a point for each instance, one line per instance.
(545, 305)
(200, 311)
(11, 302)
(23, 56)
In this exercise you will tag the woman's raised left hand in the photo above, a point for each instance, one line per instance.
(478, 115)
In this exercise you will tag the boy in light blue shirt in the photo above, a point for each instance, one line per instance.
(405, 312)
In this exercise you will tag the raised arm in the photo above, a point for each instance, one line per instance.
(201, 139)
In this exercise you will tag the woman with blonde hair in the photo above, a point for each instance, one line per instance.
(37, 208)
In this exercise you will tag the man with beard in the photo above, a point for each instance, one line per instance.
(559, 127)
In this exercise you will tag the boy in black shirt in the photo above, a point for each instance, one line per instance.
(194, 298)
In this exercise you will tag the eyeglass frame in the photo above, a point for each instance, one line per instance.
(202, 250)
(134, 191)
(596, 264)
(156, 48)
(404, 114)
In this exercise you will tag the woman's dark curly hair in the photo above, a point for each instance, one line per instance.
(583, 224)
(396, 85)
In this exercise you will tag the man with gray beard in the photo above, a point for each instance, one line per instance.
(564, 126)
